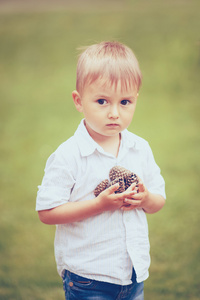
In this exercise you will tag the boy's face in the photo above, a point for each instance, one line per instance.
(107, 109)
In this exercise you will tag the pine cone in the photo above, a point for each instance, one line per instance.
(121, 184)
(101, 187)
(117, 175)
(131, 179)
(118, 171)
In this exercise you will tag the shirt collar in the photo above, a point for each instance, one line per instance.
(87, 145)
(130, 140)
(85, 142)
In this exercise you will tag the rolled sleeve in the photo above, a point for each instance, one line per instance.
(57, 183)
(153, 178)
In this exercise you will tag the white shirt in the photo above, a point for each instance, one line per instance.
(107, 246)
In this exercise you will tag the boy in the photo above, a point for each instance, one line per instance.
(101, 243)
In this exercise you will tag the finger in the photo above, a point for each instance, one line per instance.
(132, 202)
(129, 207)
(122, 196)
(137, 196)
(112, 188)
(128, 193)
(141, 187)
(131, 187)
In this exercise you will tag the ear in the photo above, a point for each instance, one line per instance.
(77, 101)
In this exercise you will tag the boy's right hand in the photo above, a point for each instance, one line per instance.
(108, 200)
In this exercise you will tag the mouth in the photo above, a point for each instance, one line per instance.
(112, 125)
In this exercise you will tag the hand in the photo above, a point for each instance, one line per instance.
(139, 198)
(108, 200)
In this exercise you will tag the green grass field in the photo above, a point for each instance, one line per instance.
(37, 65)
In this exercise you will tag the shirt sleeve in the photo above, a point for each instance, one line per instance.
(57, 183)
(153, 179)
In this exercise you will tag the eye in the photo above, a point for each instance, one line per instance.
(125, 102)
(102, 101)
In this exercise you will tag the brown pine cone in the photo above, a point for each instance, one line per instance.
(117, 175)
(101, 187)
(118, 171)
(131, 179)
(121, 184)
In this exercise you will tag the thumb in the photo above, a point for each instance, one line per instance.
(141, 187)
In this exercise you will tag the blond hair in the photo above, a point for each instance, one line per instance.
(111, 61)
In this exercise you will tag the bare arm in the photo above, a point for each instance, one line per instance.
(69, 212)
(154, 203)
(77, 211)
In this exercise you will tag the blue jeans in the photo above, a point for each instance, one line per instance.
(81, 288)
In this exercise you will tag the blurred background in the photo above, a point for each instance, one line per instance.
(38, 56)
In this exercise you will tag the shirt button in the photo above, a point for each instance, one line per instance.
(71, 284)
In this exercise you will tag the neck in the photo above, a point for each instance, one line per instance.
(110, 144)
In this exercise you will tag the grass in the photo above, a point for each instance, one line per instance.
(37, 63)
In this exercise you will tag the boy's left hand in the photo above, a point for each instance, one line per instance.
(139, 199)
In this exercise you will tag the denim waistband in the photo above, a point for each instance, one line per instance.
(74, 276)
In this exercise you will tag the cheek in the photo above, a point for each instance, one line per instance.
(127, 117)
(129, 113)
(93, 117)
(88, 110)
(133, 111)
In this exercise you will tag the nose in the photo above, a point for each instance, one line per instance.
(113, 112)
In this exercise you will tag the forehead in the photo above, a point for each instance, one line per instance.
(106, 86)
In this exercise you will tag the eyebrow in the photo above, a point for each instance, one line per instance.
(101, 96)
(108, 97)
(129, 97)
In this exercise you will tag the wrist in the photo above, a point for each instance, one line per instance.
(147, 201)
(98, 204)
(153, 203)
